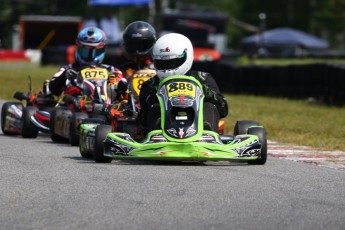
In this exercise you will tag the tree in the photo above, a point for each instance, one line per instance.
(329, 19)
(319, 17)
(322, 18)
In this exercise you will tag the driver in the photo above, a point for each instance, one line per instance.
(173, 55)
(138, 40)
(90, 51)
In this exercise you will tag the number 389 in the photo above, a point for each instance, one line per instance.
(180, 86)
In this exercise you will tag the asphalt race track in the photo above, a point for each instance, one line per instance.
(44, 185)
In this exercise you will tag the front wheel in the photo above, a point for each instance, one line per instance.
(86, 143)
(260, 132)
(100, 135)
(27, 130)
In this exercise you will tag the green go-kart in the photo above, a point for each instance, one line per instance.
(182, 136)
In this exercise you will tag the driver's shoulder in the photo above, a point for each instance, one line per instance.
(152, 82)
(199, 75)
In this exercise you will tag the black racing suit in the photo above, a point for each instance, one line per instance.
(215, 105)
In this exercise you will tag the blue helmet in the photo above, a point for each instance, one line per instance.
(90, 46)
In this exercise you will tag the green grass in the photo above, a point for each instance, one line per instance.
(244, 60)
(14, 77)
(289, 121)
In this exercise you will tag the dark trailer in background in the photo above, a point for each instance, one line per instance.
(204, 27)
(50, 34)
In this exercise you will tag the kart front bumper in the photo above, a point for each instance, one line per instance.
(122, 146)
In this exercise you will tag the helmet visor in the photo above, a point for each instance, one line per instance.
(89, 53)
(139, 46)
(173, 63)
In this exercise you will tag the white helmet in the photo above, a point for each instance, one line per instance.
(172, 55)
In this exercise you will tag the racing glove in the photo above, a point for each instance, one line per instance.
(71, 77)
(71, 74)
(210, 95)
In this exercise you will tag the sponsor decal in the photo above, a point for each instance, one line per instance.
(137, 35)
(166, 50)
(181, 133)
(190, 131)
(172, 132)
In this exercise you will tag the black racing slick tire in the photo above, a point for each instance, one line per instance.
(260, 132)
(4, 109)
(55, 137)
(242, 126)
(88, 154)
(75, 122)
(100, 135)
(27, 129)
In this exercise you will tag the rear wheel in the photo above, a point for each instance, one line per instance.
(55, 137)
(260, 132)
(242, 126)
(4, 110)
(100, 135)
(27, 128)
(75, 122)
